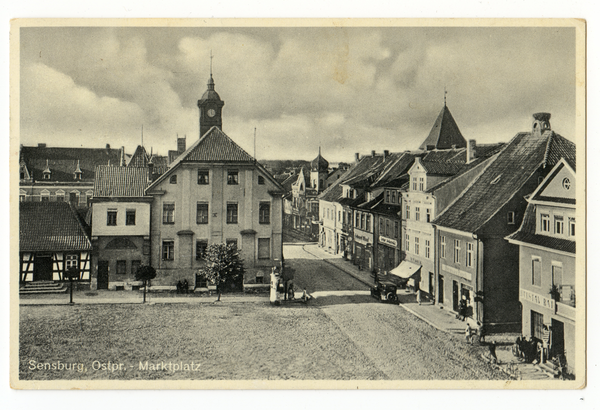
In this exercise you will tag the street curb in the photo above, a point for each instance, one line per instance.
(159, 302)
(429, 322)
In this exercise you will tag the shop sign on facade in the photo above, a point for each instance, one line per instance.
(540, 300)
(360, 238)
(457, 272)
(388, 241)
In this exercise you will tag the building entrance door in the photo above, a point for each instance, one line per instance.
(42, 268)
(455, 296)
(558, 338)
(102, 274)
(440, 289)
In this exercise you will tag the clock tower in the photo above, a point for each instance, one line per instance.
(210, 106)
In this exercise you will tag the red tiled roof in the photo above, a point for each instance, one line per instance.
(526, 234)
(50, 226)
(120, 181)
(62, 162)
(503, 178)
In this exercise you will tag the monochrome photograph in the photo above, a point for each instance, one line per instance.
(298, 204)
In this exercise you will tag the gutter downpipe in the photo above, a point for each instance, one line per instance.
(479, 279)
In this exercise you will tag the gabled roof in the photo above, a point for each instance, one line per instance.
(526, 234)
(62, 162)
(216, 147)
(378, 205)
(538, 196)
(444, 133)
(503, 178)
(139, 158)
(395, 165)
(365, 172)
(50, 226)
(114, 182)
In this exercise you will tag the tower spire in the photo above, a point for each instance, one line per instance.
(211, 82)
(445, 92)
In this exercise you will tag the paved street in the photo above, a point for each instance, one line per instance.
(399, 344)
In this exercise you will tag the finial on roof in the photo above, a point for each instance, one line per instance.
(445, 92)
(78, 170)
(211, 82)
(47, 169)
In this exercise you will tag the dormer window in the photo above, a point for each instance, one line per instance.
(47, 173)
(77, 173)
(511, 218)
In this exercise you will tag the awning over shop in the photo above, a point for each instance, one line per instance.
(406, 269)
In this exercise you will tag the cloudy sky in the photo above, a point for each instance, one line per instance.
(346, 89)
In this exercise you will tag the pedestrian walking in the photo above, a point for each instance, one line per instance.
(545, 342)
(462, 308)
(481, 331)
(418, 296)
(468, 333)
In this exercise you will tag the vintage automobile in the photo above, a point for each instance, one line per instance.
(385, 291)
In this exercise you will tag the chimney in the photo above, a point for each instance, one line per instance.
(430, 148)
(471, 146)
(386, 153)
(123, 162)
(357, 157)
(107, 146)
(541, 122)
(42, 145)
(180, 145)
(373, 153)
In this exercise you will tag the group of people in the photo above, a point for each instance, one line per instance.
(182, 287)
(470, 332)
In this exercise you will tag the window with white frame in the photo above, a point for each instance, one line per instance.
(443, 247)
(536, 271)
(559, 225)
(407, 212)
(416, 245)
(168, 250)
(421, 184)
(232, 213)
(427, 248)
(469, 256)
(511, 218)
(406, 242)
(168, 213)
(571, 226)
(71, 261)
(417, 214)
(414, 184)
(456, 251)
(545, 222)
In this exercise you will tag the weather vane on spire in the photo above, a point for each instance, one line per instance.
(445, 92)
(211, 57)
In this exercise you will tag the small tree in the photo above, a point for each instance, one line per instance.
(145, 273)
(223, 264)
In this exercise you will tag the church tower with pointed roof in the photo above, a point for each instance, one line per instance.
(210, 106)
(444, 134)
(319, 169)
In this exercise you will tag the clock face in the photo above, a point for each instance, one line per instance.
(211, 112)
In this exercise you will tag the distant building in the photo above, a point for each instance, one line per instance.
(474, 260)
(547, 271)
(54, 174)
(52, 239)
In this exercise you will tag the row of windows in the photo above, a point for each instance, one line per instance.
(536, 273)
(168, 248)
(417, 213)
(417, 246)
(469, 254)
(111, 217)
(203, 178)
(264, 213)
(59, 196)
(420, 185)
(393, 197)
(122, 266)
(558, 227)
(389, 228)
(363, 221)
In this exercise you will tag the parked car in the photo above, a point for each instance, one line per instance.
(385, 291)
